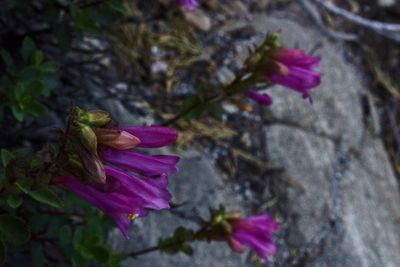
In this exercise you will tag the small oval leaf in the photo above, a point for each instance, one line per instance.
(14, 229)
(46, 196)
(14, 201)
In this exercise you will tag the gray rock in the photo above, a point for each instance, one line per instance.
(348, 213)
(386, 3)
(200, 187)
(199, 19)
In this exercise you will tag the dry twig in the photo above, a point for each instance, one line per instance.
(390, 30)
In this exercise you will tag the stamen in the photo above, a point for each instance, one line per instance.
(132, 216)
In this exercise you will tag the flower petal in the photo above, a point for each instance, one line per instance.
(142, 164)
(152, 136)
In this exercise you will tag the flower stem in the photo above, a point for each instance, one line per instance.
(143, 251)
(152, 249)
(198, 235)
(234, 87)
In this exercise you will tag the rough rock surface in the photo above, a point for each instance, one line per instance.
(348, 213)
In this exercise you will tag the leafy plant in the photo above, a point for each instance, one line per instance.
(25, 82)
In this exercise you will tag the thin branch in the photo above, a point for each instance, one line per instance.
(390, 30)
(313, 12)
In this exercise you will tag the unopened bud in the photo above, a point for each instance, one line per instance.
(117, 139)
(88, 138)
(95, 118)
(235, 215)
(74, 167)
(93, 166)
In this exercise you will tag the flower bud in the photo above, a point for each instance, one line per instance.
(235, 215)
(93, 166)
(88, 138)
(117, 139)
(95, 118)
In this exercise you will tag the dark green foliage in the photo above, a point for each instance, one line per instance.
(26, 81)
(179, 242)
(14, 229)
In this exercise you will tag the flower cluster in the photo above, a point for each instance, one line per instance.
(126, 184)
(256, 233)
(292, 68)
(189, 4)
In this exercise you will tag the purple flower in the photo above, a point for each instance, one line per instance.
(124, 196)
(256, 233)
(262, 99)
(190, 4)
(295, 69)
(142, 164)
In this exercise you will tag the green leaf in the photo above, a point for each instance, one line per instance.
(30, 73)
(14, 201)
(83, 19)
(77, 260)
(35, 88)
(98, 253)
(46, 196)
(216, 110)
(28, 49)
(189, 103)
(18, 113)
(38, 58)
(93, 232)
(6, 157)
(115, 260)
(19, 91)
(35, 163)
(178, 242)
(49, 67)
(37, 109)
(2, 253)
(197, 111)
(14, 229)
(77, 238)
(38, 258)
(117, 6)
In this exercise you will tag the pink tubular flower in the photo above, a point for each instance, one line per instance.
(124, 196)
(142, 164)
(190, 4)
(255, 232)
(295, 69)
